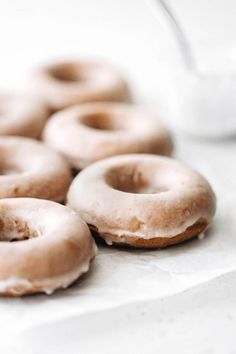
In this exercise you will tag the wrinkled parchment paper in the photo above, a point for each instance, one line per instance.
(123, 276)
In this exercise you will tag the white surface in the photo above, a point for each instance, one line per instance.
(129, 293)
(131, 302)
(201, 320)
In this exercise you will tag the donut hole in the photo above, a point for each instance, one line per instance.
(67, 73)
(100, 121)
(14, 229)
(131, 179)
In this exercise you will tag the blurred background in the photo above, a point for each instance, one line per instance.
(136, 36)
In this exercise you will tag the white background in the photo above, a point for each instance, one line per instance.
(125, 32)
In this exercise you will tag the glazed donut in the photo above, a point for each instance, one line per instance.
(28, 168)
(142, 200)
(21, 115)
(54, 246)
(89, 132)
(63, 84)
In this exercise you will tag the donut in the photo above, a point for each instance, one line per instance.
(21, 115)
(142, 200)
(90, 132)
(29, 168)
(63, 84)
(46, 246)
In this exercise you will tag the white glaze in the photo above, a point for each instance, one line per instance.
(185, 197)
(145, 232)
(54, 231)
(35, 170)
(48, 286)
(91, 81)
(202, 235)
(121, 129)
(21, 115)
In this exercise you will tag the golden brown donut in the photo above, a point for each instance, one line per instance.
(54, 246)
(29, 168)
(21, 115)
(90, 132)
(142, 200)
(63, 84)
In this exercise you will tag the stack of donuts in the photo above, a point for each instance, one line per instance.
(78, 122)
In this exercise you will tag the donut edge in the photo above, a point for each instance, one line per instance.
(155, 242)
(27, 288)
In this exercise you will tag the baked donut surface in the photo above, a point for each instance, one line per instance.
(90, 132)
(29, 168)
(63, 84)
(142, 200)
(52, 246)
(21, 115)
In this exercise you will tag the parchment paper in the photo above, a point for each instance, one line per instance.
(121, 276)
